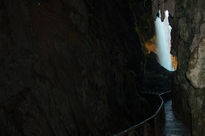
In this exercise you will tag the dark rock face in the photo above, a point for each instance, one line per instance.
(188, 45)
(69, 67)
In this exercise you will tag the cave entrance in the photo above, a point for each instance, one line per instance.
(160, 44)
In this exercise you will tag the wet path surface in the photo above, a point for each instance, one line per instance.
(173, 126)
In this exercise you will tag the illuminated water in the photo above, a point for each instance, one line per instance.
(163, 34)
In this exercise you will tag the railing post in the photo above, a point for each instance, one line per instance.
(146, 133)
(156, 127)
(132, 133)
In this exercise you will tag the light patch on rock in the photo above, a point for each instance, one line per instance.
(183, 27)
(199, 103)
(195, 42)
(196, 68)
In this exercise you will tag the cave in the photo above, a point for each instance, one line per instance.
(92, 68)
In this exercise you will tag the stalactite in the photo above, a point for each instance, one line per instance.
(161, 4)
(156, 6)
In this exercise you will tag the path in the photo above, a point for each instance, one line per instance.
(173, 126)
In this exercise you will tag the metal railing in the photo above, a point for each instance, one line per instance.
(152, 126)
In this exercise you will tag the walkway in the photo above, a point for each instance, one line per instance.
(173, 126)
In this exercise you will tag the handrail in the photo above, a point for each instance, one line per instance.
(133, 128)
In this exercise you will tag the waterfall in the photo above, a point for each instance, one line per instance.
(163, 35)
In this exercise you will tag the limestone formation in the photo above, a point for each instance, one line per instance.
(196, 68)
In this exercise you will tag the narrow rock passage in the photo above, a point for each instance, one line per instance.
(173, 126)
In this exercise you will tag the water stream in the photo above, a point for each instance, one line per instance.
(163, 35)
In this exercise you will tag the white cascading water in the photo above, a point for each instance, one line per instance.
(163, 35)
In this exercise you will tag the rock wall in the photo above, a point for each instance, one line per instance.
(70, 67)
(188, 34)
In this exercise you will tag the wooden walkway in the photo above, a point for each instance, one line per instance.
(173, 126)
